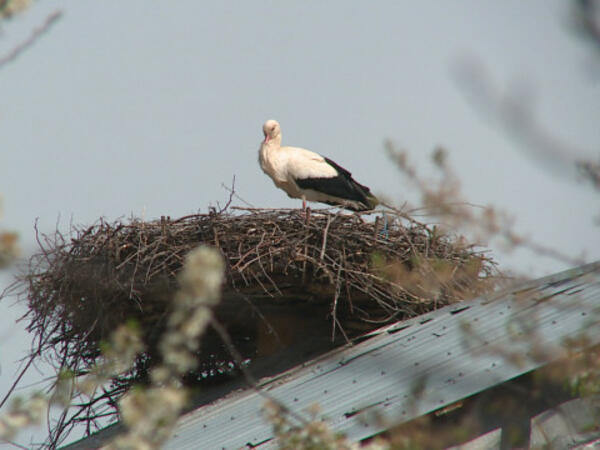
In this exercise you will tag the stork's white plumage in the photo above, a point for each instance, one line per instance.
(310, 176)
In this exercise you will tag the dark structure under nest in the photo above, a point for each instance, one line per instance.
(288, 283)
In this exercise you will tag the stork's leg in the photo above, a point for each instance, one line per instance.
(306, 210)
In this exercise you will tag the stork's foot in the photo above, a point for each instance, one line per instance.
(307, 214)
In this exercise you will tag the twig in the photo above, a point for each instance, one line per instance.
(325, 231)
(335, 322)
(15, 444)
(35, 35)
(18, 379)
(231, 194)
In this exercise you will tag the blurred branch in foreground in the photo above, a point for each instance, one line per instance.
(586, 14)
(149, 413)
(444, 199)
(513, 112)
(9, 249)
(8, 8)
(32, 39)
(590, 171)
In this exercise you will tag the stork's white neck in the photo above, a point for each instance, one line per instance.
(272, 146)
(274, 142)
(267, 152)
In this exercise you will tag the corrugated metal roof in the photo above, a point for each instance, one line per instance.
(446, 355)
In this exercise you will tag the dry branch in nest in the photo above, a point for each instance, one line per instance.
(339, 275)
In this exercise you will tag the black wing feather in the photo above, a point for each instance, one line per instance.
(342, 186)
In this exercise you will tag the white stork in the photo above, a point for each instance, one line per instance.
(310, 176)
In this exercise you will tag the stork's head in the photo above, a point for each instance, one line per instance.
(271, 130)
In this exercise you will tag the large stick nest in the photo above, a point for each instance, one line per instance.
(283, 275)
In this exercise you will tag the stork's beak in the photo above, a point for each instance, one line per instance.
(266, 139)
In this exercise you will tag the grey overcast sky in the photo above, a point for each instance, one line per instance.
(145, 107)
